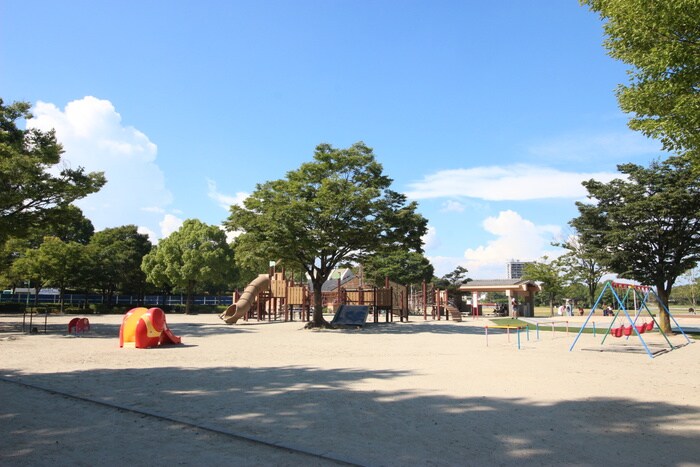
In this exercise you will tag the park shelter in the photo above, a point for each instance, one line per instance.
(522, 290)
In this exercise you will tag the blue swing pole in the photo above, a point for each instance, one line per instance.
(580, 331)
(651, 315)
(634, 328)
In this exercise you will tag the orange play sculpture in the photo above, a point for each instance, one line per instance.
(146, 328)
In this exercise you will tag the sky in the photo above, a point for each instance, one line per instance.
(488, 114)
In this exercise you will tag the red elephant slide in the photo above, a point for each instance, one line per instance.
(146, 328)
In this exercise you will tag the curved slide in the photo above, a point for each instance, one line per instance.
(241, 307)
(145, 328)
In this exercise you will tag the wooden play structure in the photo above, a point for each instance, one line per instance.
(435, 303)
(274, 296)
(629, 326)
(270, 297)
(390, 300)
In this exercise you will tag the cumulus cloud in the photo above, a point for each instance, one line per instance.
(519, 182)
(169, 224)
(94, 137)
(224, 200)
(430, 239)
(515, 238)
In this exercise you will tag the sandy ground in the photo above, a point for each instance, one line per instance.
(417, 393)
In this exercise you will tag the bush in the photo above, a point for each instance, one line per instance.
(203, 309)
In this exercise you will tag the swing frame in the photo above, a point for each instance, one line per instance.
(648, 291)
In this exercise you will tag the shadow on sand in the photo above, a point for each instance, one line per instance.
(323, 411)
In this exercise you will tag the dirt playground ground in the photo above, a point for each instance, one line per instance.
(417, 393)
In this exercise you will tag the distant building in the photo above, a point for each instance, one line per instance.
(515, 268)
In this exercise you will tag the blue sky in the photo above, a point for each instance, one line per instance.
(489, 114)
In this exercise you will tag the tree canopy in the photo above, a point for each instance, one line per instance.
(581, 266)
(401, 266)
(550, 274)
(333, 210)
(645, 227)
(29, 189)
(116, 255)
(194, 256)
(55, 263)
(661, 41)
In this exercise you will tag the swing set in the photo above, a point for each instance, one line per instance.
(640, 294)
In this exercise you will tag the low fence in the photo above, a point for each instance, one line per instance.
(148, 300)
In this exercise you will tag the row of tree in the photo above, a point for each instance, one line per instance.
(334, 211)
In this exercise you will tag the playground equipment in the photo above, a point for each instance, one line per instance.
(78, 325)
(239, 309)
(551, 323)
(643, 293)
(351, 315)
(267, 295)
(146, 328)
(517, 330)
(271, 294)
(379, 299)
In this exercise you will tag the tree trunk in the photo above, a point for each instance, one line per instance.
(663, 319)
(188, 300)
(317, 320)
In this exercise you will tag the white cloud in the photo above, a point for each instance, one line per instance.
(223, 200)
(604, 147)
(231, 236)
(516, 238)
(151, 234)
(508, 183)
(452, 206)
(169, 224)
(93, 136)
(430, 239)
(446, 264)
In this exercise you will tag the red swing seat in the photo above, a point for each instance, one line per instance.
(616, 332)
(641, 328)
(627, 330)
(650, 326)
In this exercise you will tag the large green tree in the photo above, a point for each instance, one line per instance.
(116, 255)
(660, 40)
(194, 257)
(31, 187)
(333, 210)
(647, 226)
